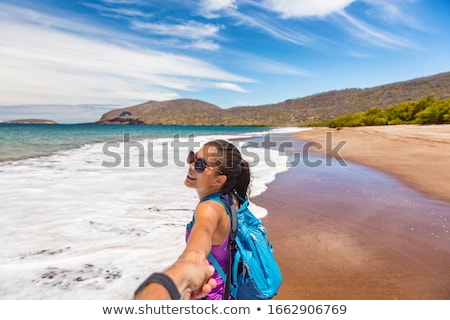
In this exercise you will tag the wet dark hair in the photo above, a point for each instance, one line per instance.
(231, 164)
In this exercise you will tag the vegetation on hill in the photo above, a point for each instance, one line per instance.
(295, 112)
(427, 110)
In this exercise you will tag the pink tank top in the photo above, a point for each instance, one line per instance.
(222, 255)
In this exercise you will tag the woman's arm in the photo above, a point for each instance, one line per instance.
(207, 230)
(191, 272)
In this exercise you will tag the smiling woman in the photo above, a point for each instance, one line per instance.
(217, 167)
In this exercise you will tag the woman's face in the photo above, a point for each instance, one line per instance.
(203, 172)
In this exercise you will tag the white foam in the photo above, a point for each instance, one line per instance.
(289, 130)
(73, 229)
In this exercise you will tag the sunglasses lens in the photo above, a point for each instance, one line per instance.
(200, 165)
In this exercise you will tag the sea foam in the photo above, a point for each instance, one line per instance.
(76, 229)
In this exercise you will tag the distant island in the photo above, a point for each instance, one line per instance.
(314, 109)
(32, 121)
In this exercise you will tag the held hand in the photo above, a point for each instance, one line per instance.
(190, 280)
(193, 280)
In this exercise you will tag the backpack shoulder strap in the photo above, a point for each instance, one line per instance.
(217, 266)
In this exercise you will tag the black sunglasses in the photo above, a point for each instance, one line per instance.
(199, 163)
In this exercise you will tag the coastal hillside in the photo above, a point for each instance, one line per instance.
(318, 107)
(173, 112)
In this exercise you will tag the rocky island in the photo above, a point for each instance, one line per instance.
(32, 121)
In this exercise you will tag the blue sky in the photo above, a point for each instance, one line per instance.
(71, 61)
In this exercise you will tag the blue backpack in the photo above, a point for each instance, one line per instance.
(254, 273)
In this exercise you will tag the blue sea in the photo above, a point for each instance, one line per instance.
(88, 210)
(20, 141)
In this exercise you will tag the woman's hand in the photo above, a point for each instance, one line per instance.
(192, 280)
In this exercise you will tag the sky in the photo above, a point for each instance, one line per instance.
(73, 60)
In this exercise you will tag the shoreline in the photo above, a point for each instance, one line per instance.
(417, 155)
(357, 233)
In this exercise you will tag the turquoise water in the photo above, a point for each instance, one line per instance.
(21, 141)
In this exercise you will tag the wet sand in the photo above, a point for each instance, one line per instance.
(417, 155)
(352, 232)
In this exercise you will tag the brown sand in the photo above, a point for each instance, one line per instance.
(417, 155)
(337, 239)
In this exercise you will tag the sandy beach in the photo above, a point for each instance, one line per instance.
(352, 232)
(417, 155)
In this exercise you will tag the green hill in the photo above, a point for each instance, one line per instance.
(293, 112)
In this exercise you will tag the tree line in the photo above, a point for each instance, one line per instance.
(426, 110)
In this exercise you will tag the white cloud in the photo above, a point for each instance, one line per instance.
(272, 27)
(391, 11)
(372, 35)
(121, 1)
(43, 64)
(306, 8)
(268, 66)
(190, 30)
(394, 12)
(210, 8)
(118, 12)
(202, 45)
(229, 86)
